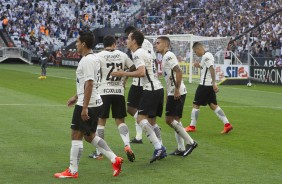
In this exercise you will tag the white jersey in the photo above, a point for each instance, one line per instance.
(168, 63)
(88, 69)
(207, 61)
(111, 61)
(142, 58)
(146, 45)
(150, 49)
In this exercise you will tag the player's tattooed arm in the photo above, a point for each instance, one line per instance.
(177, 69)
(178, 72)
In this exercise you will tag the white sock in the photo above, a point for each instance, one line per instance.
(157, 131)
(104, 148)
(135, 115)
(194, 116)
(148, 129)
(181, 131)
(139, 130)
(180, 142)
(124, 133)
(100, 132)
(75, 155)
(219, 112)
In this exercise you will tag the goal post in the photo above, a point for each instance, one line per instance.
(181, 46)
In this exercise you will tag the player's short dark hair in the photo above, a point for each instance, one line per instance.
(129, 29)
(138, 37)
(165, 38)
(197, 44)
(109, 41)
(87, 37)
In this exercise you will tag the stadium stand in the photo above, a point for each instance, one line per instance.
(217, 18)
(55, 23)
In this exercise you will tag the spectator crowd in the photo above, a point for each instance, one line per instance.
(52, 24)
(215, 18)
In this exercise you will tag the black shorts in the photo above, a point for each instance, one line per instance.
(116, 103)
(44, 65)
(134, 96)
(88, 126)
(151, 103)
(175, 107)
(205, 95)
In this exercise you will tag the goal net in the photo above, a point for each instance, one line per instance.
(181, 46)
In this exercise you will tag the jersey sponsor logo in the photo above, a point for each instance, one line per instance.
(113, 83)
(135, 57)
(116, 56)
(112, 91)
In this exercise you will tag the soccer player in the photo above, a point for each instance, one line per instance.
(151, 102)
(43, 64)
(87, 109)
(111, 90)
(207, 89)
(135, 92)
(176, 94)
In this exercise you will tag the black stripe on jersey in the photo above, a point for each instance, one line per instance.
(205, 76)
(173, 79)
(101, 74)
(139, 81)
(147, 74)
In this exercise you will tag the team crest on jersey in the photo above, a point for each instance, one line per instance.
(169, 58)
(136, 57)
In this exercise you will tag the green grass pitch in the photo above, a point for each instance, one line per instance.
(35, 136)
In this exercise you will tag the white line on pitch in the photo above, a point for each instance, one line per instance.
(53, 105)
(47, 105)
(254, 90)
(56, 76)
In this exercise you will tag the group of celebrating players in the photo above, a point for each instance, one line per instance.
(100, 80)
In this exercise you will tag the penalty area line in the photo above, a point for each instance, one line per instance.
(39, 105)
